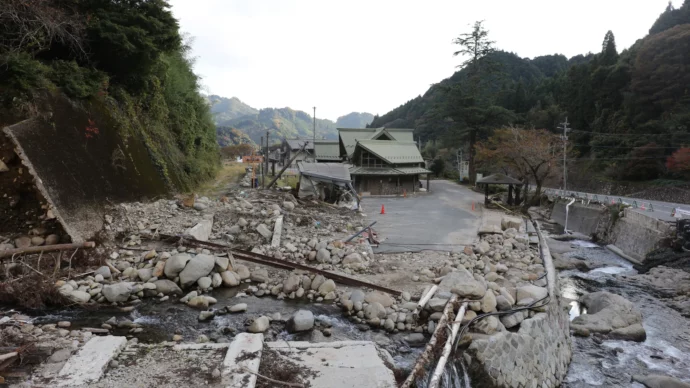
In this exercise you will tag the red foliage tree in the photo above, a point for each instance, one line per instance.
(679, 162)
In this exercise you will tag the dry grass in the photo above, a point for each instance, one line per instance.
(32, 291)
(228, 175)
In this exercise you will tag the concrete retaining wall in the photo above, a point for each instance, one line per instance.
(537, 355)
(637, 234)
(582, 218)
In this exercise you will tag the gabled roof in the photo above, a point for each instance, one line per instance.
(325, 171)
(388, 170)
(327, 150)
(296, 144)
(393, 152)
(350, 136)
(499, 179)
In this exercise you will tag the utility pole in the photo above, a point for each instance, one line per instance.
(266, 154)
(564, 137)
(263, 182)
(314, 143)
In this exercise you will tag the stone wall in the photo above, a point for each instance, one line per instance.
(637, 234)
(537, 355)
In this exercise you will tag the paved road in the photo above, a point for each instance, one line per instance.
(661, 210)
(442, 220)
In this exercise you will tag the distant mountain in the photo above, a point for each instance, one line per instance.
(354, 120)
(280, 123)
(224, 109)
(237, 122)
(227, 136)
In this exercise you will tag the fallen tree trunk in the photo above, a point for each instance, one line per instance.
(441, 364)
(427, 357)
(46, 248)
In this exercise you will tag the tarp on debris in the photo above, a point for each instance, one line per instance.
(324, 180)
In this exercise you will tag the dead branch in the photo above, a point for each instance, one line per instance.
(45, 248)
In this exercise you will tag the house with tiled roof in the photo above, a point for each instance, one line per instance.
(384, 161)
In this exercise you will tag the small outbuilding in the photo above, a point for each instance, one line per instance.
(328, 182)
(498, 179)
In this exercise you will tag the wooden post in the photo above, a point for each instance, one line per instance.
(273, 168)
(428, 189)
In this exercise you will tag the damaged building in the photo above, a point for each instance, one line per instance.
(384, 161)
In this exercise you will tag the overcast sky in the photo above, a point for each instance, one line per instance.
(373, 55)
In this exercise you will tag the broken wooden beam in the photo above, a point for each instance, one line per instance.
(441, 364)
(45, 248)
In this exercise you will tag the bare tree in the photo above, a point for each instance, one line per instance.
(33, 25)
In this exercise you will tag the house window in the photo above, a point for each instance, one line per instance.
(369, 160)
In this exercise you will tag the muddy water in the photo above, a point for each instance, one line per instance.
(161, 320)
(611, 363)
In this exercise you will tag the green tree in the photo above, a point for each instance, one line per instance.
(609, 53)
(438, 166)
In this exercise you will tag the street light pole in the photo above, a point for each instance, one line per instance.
(314, 143)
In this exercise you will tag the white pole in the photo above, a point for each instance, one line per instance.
(436, 377)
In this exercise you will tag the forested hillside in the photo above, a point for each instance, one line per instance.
(127, 57)
(629, 110)
(354, 120)
(234, 118)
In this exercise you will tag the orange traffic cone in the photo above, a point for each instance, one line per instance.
(383, 210)
(405, 193)
(472, 206)
(643, 208)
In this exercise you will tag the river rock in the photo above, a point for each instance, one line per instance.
(488, 302)
(166, 287)
(437, 304)
(289, 206)
(323, 255)
(375, 310)
(317, 282)
(103, 271)
(291, 283)
(354, 260)
(502, 303)
(259, 325)
(634, 332)
(238, 308)
(79, 296)
(216, 280)
(22, 242)
(159, 269)
(221, 263)
(389, 325)
(242, 270)
(488, 325)
(199, 266)
(462, 283)
(327, 287)
(531, 291)
(145, 274)
(380, 297)
(357, 296)
(514, 319)
(607, 312)
(175, 264)
(259, 275)
(118, 292)
(206, 315)
(303, 320)
(230, 279)
(659, 381)
(508, 222)
(204, 282)
(415, 339)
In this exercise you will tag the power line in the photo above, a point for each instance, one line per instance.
(631, 134)
(597, 146)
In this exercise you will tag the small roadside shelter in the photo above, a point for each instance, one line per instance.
(498, 179)
(328, 182)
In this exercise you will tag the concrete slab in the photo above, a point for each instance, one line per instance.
(277, 231)
(235, 372)
(342, 364)
(490, 222)
(202, 230)
(88, 365)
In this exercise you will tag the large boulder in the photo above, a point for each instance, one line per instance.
(145, 274)
(489, 302)
(533, 292)
(607, 312)
(326, 287)
(259, 275)
(380, 297)
(303, 320)
(118, 292)
(165, 287)
(243, 271)
(659, 381)
(291, 283)
(353, 260)
(79, 296)
(103, 271)
(222, 263)
(198, 267)
(634, 332)
(323, 255)
(375, 310)
(175, 265)
(462, 283)
(508, 222)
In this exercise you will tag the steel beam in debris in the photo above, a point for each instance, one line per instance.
(284, 264)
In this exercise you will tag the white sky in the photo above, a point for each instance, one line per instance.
(373, 55)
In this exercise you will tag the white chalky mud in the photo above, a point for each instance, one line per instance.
(612, 363)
